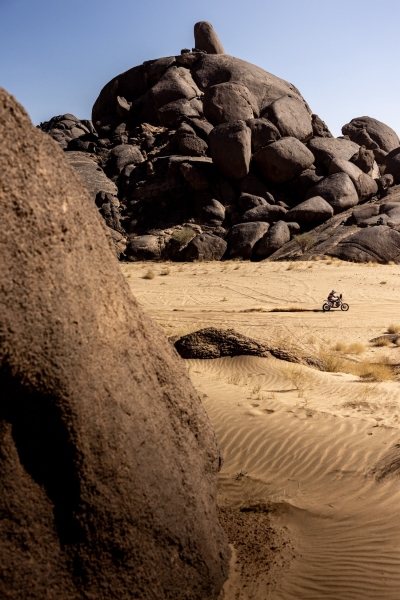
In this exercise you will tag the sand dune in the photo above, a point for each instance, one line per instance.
(320, 451)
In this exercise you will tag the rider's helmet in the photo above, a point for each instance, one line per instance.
(333, 292)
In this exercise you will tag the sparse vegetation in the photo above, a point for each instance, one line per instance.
(149, 274)
(367, 370)
(165, 271)
(355, 348)
(382, 341)
(184, 235)
(393, 328)
(305, 241)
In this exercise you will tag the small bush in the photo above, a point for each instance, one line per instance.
(393, 328)
(382, 341)
(305, 241)
(165, 271)
(356, 348)
(184, 235)
(149, 274)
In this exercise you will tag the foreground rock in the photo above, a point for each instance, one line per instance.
(108, 463)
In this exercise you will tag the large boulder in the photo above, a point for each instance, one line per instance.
(175, 84)
(229, 102)
(364, 184)
(108, 462)
(205, 247)
(206, 39)
(265, 212)
(123, 155)
(392, 161)
(91, 174)
(371, 133)
(230, 147)
(249, 201)
(282, 160)
(338, 190)
(275, 238)
(291, 117)
(263, 132)
(143, 247)
(325, 149)
(242, 238)
(377, 244)
(209, 210)
(313, 212)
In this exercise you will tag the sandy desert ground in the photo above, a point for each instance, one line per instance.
(311, 469)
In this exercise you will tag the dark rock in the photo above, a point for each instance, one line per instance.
(283, 160)
(225, 190)
(377, 244)
(366, 187)
(365, 212)
(263, 132)
(201, 127)
(384, 183)
(275, 238)
(123, 155)
(173, 113)
(108, 462)
(364, 159)
(196, 179)
(314, 211)
(119, 242)
(91, 174)
(325, 149)
(205, 247)
(248, 201)
(230, 147)
(306, 180)
(216, 343)
(206, 39)
(208, 209)
(392, 161)
(144, 247)
(242, 238)
(338, 190)
(380, 156)
(251, 184)
(191, 145)
(267, 213)
(320, 128)
(293, 227)
(371, 133)
(187, 59)
(175, 84)
(110, 210)
(156, 68)
(227, 102)
(291, 117)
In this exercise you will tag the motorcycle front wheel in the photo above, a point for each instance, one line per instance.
(326, 307)
(344, 306)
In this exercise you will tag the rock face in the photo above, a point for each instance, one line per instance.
(243, 237)
(206, 39)
(314, 211)
(182, 139)
(377, 244)
(372, 134)
(275, 238)
(108, 462)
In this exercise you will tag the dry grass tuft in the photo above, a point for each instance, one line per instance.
(305, 241)
(355, 348)
(382, 341)
(165, 271)
(149, 274)
(184, 235)
(393, 328)
(366, 370)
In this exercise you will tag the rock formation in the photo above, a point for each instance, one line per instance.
(183, 138)
(108, 462)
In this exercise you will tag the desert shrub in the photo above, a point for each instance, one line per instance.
(382, 341)
(393, 328)
(356, 348)
(370, 371)
(149, 274)
(165, 271)
(305, 241)
(184, 235)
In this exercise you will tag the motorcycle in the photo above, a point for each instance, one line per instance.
(328, 304)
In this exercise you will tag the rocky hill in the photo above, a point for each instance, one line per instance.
(203, 156)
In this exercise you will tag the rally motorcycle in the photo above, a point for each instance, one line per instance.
(328, 304)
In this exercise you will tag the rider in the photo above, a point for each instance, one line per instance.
(333, 298)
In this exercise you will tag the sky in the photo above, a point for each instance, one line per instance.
(56, 55)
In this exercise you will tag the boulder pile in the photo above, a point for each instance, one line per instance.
(204, 156)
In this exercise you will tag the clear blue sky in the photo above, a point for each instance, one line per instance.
(56, 55)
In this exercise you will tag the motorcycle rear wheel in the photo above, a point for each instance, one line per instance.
(326, 307)
(344, 306)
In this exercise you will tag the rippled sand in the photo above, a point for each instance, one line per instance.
(320, 450)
